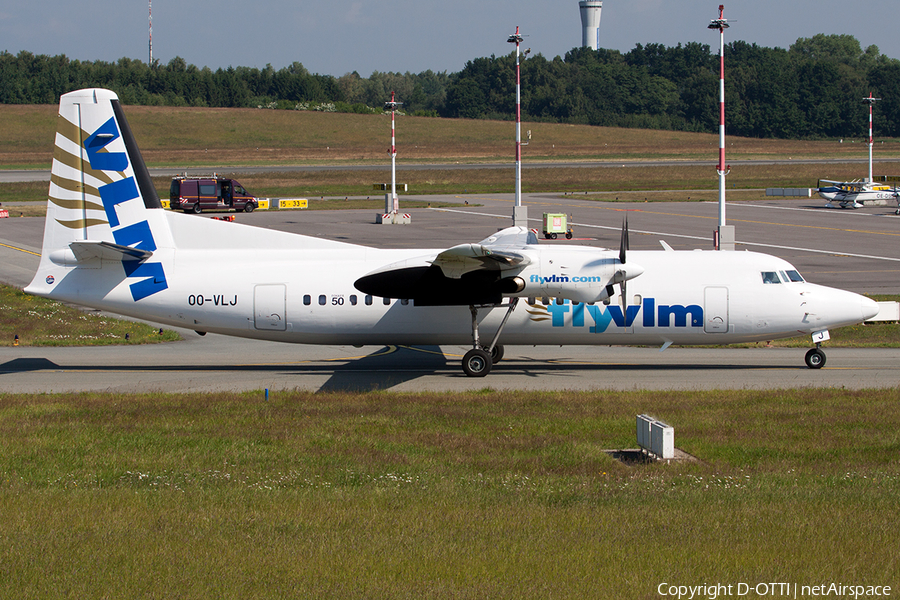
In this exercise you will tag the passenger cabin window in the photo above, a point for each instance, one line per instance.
(368, 300)
(322, 300)
(770, 277)
(307, 300)
(353, 300)
(386, 301)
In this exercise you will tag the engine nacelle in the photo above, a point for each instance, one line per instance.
(579, 274)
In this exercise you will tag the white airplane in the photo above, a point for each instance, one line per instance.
(853, 194)
(109, 244)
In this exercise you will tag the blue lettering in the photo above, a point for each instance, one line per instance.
(601, 318)
(115, 193)
(153, 272)
(137, 236)
(105, 161)
(649, 312)
(578, 315)
(558, 312)
(626, 320)
(680, 313)
(654, 315)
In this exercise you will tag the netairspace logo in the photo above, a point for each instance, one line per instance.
(771, 590)
(135, 235)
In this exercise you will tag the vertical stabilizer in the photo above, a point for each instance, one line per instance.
(100, 208)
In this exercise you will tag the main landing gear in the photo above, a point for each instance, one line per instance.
(478, 361)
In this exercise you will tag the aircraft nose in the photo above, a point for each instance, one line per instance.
(869, 308)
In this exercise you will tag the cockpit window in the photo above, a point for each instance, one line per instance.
(770, 277)
(794, 276)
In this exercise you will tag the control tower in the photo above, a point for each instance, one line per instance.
(590, 23)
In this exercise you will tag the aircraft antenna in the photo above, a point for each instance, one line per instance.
(725, 234)
(520, 213)
(871, 102)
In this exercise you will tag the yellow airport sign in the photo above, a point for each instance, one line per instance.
(293, 203)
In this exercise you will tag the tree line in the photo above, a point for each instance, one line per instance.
(814, 89)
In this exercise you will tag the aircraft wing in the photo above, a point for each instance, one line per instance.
(463, 274)
(459, 260)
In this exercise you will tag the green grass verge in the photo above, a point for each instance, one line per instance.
(42, 322)
(482, 495)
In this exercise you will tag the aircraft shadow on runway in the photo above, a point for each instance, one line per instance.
(390, 366)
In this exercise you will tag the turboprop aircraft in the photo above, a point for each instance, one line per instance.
(109, 244)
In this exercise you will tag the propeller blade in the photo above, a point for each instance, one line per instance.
(623, 243)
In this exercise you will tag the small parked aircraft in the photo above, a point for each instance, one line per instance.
(852, 194)
(109, 244)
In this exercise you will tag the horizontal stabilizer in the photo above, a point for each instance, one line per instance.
(88, 249)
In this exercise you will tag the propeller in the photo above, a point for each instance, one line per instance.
(623, 243)
(623, 246)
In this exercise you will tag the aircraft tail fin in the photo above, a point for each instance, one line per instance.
(98, 201)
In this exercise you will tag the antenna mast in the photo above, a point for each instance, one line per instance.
(150, 63)
(871, 102)
(725, 234)
(520, 213)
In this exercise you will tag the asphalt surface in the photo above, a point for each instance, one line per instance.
(856, 250)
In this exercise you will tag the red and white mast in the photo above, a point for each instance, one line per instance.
(725, 236)
(871, 102)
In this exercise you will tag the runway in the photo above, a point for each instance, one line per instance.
(855, 250)
(216, 363)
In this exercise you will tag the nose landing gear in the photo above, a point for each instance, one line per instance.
(815, 358)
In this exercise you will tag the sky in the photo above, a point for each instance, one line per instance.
(335, 38)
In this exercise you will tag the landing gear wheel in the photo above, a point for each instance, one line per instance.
(248, 208)
(815, 358)
(496, 354)
(196, 209)
(476, 363)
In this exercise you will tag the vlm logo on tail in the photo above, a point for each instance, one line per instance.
(135, 235)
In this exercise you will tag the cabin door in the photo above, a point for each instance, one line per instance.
(269, 307)
(715, 310)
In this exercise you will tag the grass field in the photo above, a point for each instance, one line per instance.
(41, 322)
(226, 137)
(604, 184)
(484, 495)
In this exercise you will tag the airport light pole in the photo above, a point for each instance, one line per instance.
(725, 233)
(871, 102)
(393, 203)
(520, 213)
